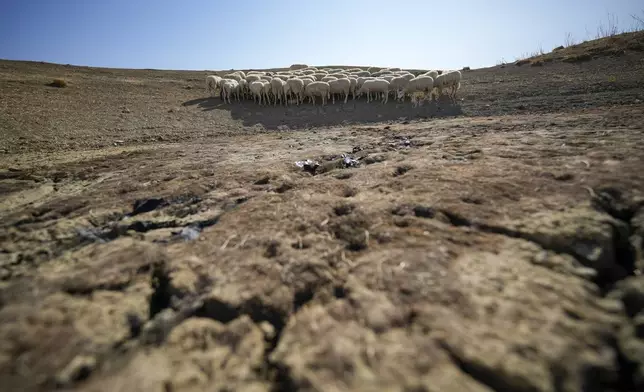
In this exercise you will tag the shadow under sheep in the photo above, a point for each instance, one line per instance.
(307, 115)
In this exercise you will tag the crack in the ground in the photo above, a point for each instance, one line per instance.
(479, 373)
(606, 277)
(608, 200)
(166, 312)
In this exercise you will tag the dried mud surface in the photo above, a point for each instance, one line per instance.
(154, 240)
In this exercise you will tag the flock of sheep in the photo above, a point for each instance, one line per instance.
(296, 85)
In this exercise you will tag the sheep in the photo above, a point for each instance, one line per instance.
(314, 89)
(424, 84)
(306, 83)
(309, 83)
(354, 83)
(266, 91)
(362, 73)
(253, 77)
(228, 88)
(277, 87)
(398, 83)
(432, 73)
(234, 76)
(243, 88)
(450, 80)
(376, 86)
(340, 86)
(384, 71)
(361, 81)
(256, 88)
(296, 86)
(213, 82)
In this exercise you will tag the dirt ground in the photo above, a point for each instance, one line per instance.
(152, 239)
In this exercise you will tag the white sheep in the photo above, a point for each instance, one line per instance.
(253, 77)
(397, 84)
(277, 87)
(317, 89)
(256, 88)
(319, 75)
(424, 84)
(449, 80)
(340, 86)
(233, 76)
(354, 84)
(266, 91)
(328, 78)
(362, 73)
(432, 73)
(306, 83)
(229, 88)
(376, 86)
(213, 82)
(296, 87)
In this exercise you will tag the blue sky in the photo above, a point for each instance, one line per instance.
(211, 34)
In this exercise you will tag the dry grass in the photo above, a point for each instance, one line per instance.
(613, 45)
(608, 40)
(60, 83)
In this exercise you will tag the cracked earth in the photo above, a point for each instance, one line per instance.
(177, 247)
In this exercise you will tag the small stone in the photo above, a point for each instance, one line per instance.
(78, 369)
(268, 329)
(638, 323)
(147, 205)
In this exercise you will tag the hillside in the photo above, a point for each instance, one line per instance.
(154, 239)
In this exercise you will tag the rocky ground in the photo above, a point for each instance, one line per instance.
(155, 240)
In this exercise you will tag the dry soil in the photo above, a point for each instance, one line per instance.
(153, 239)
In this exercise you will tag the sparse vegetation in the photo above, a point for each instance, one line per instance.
(60, 83)
(569, 40)
(609, 28)
(608, 40)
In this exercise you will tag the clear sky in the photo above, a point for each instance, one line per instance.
(223, 34)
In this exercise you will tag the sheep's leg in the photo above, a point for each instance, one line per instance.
(346, 96)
